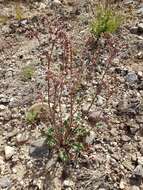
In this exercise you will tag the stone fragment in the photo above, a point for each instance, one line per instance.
(134, 30)
(140, 160)
(131, 77)
(140, 27)
(125, 138)
(4, 99)
(90, 138)
(39, 148)
(21, 138)
(85, 108)
(9, 152)
(95, 117)
(100, 100)
(134, 187)
(140, 9)
(127, 2)
(5, 113)
(138, 171)
(12, 133)
(68, 183)
(122, 184)
(5, 182)
(19, 170)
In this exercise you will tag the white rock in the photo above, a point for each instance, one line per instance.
(68, 183)
(9, 152)
(126, 2)
(100, 100)
(90, 138)
(122, 184)
(2, 164)
(140, 73)
(2, 107)
(140, 160)
(21, 138)
(116, 61)
(42, 6)
(5, 182)
(85, 108)
(57, 2)
(140, 11)
(134, 187)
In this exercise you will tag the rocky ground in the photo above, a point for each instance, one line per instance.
(116, 157)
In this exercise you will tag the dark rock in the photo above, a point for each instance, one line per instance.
(137, 175)
(134, 128)
(140, 27)
(134, 30)
(118, 70)
(39, 148)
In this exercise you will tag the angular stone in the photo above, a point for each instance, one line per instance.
(127, 2)
(134, 187)
(122, 184)
(5, 182)
(9, 152)
(138, 171)
(90, 138)
(140, 11)
(95, 117)
(134, 30)
(39, 148)
(85, 108)
(2, 107)
(21, 138)
(140, 161)
(68, 183)
(140, 27)
(125, 138)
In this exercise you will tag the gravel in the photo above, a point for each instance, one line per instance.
(114, 156)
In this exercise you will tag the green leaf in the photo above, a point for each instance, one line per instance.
(63, 156)
(99, 125)
(50, 137)
(77, 146)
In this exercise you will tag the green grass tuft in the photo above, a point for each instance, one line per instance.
(107, 20)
